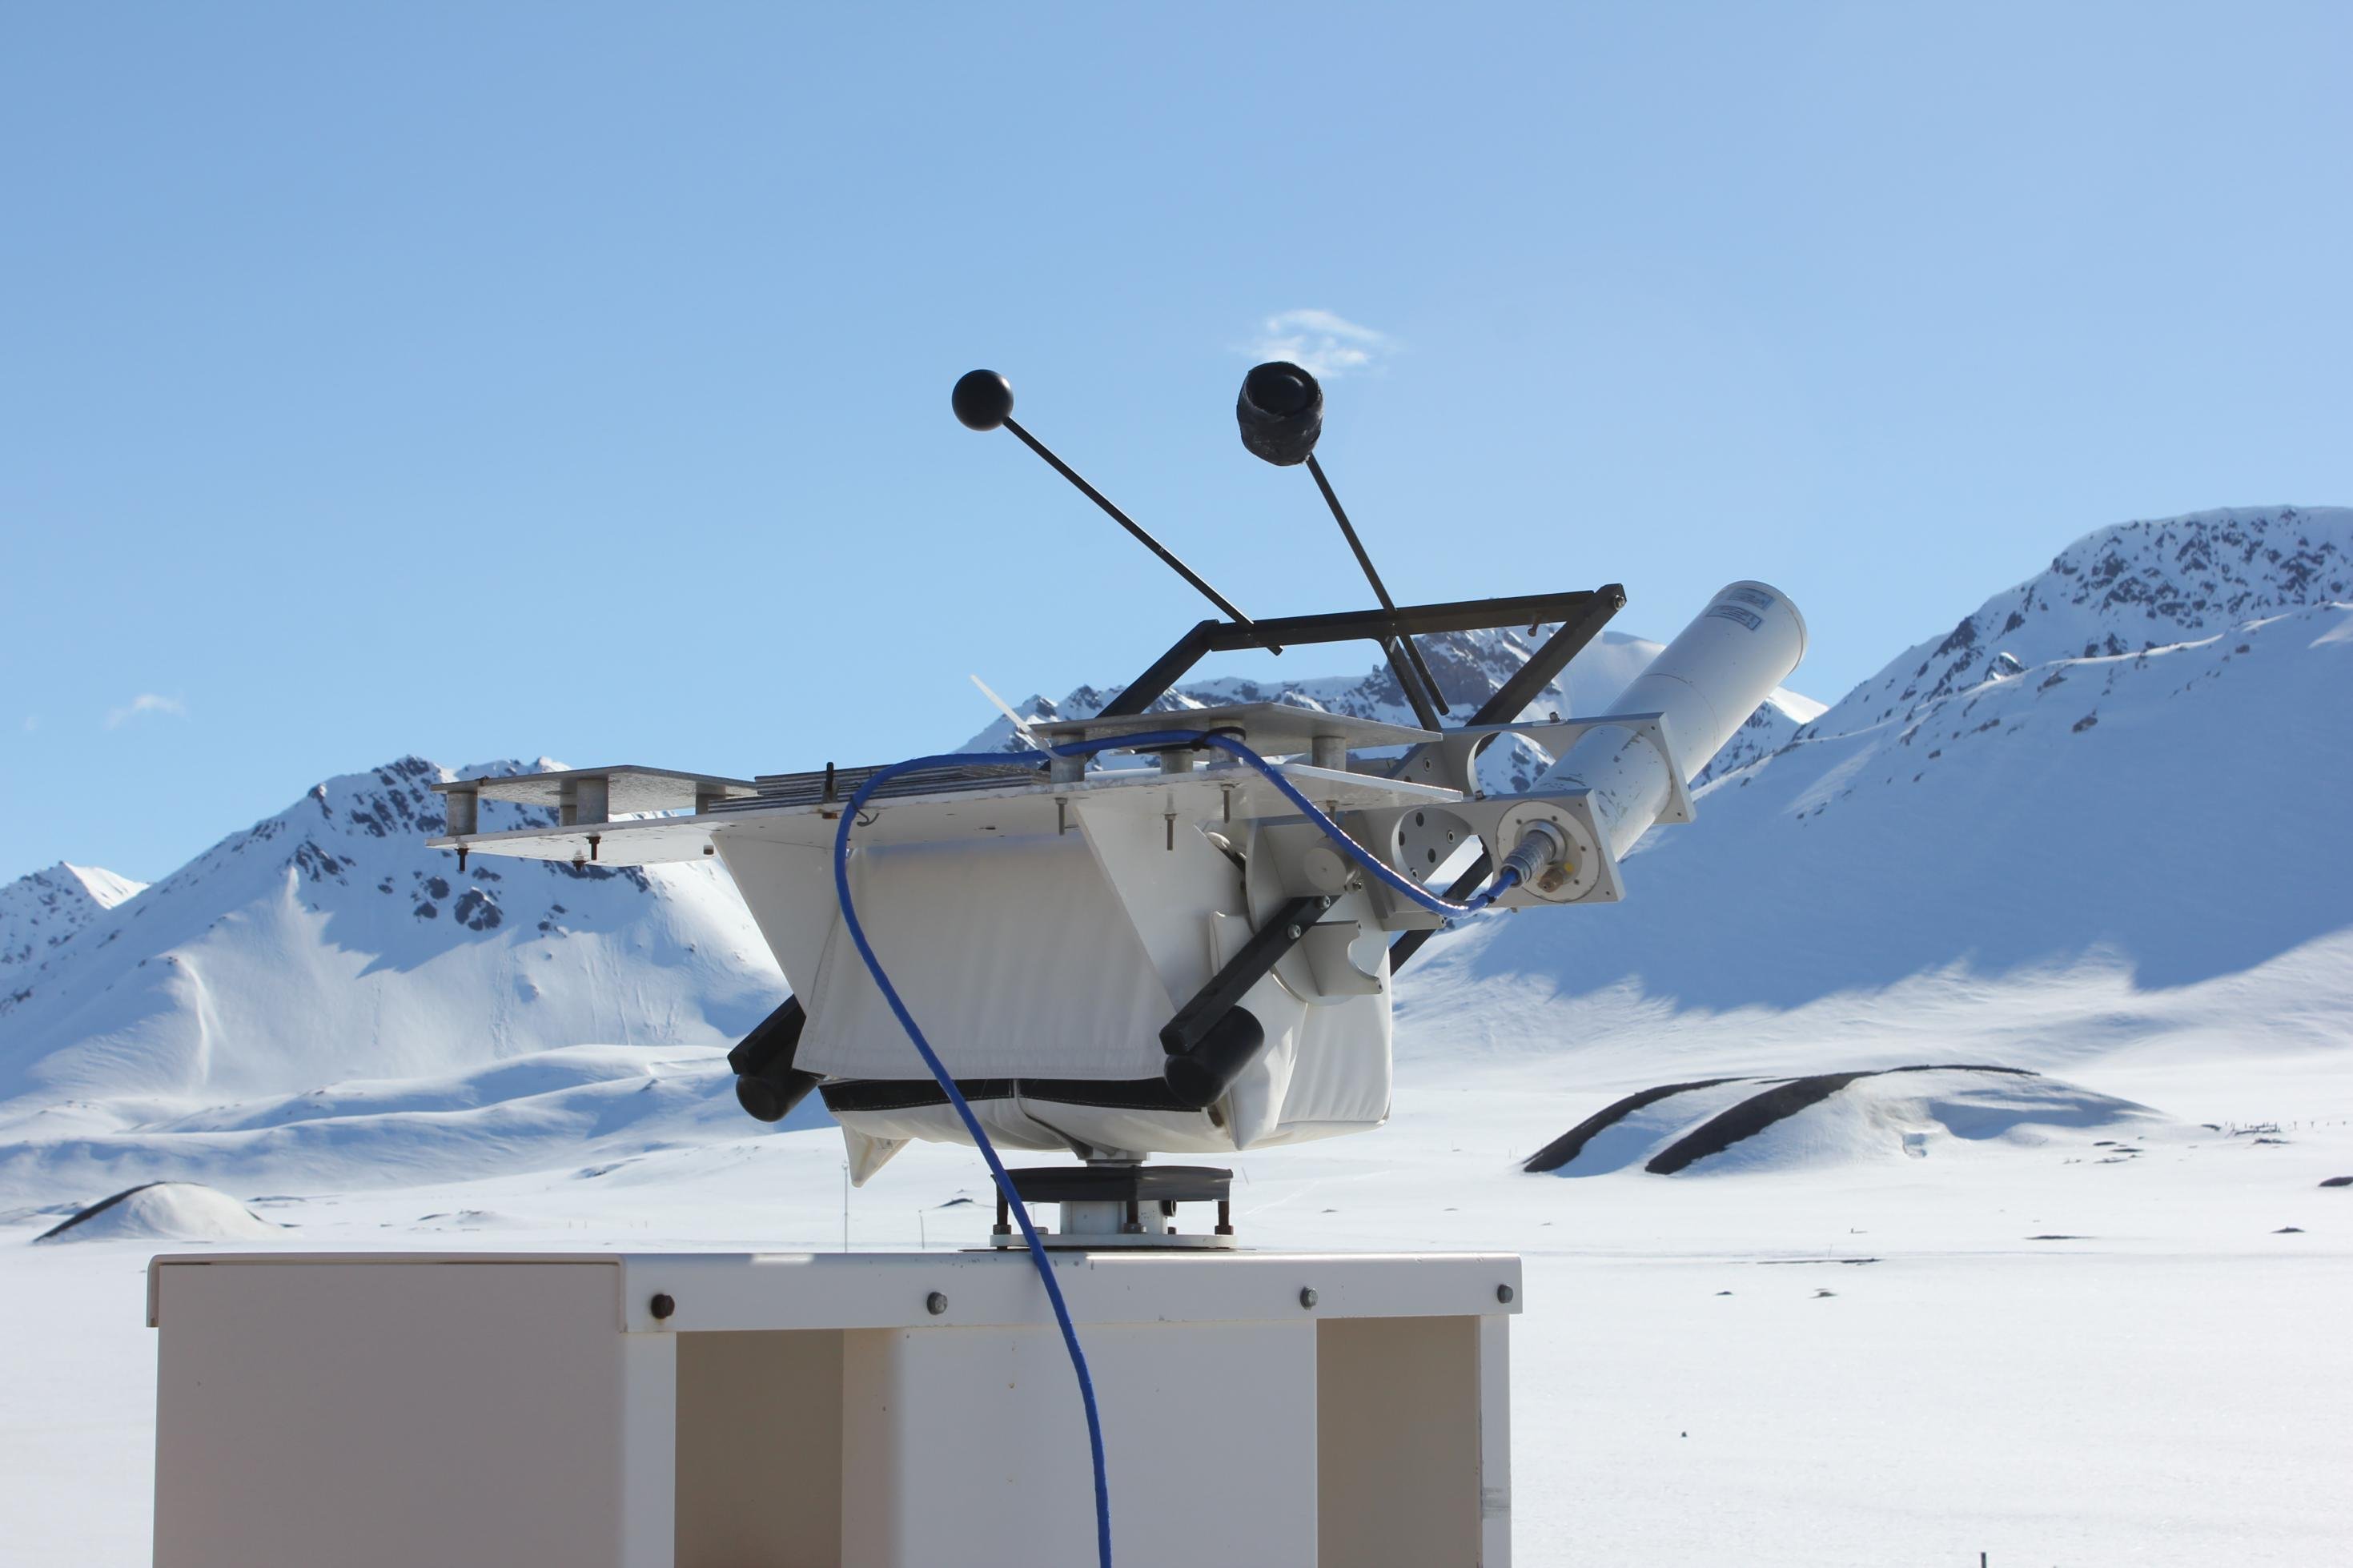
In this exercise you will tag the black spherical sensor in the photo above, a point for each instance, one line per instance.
(983, 400)
(1281, 412)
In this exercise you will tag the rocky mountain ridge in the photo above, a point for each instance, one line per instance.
(2127, 589)
(44, 909)
(2111, 763)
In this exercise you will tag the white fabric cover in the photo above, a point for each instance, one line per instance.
(1020, 958)
(1013, 955)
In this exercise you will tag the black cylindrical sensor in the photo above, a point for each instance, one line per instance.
(1281, 412)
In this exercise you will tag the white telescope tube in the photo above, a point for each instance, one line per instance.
(1707, 682)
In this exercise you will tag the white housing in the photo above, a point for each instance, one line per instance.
(1703, 685)
(1046, 927)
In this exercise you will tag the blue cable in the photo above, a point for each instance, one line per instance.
(946, 1080)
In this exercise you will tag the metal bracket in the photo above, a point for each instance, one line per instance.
(1452, 759)
(1226, 988)
(1594, 878)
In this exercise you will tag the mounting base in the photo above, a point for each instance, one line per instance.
(869, 1410)
(1120, 1205)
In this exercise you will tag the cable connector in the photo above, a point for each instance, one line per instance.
(1542, 847)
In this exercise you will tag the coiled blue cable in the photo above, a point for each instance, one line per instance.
(946, 1080)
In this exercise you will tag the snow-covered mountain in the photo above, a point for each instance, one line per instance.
(2129, 589)
(2131, 759)
(2124, 765)
(326, 945)
(44, 909)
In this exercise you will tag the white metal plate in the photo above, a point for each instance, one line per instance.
(1207, 795)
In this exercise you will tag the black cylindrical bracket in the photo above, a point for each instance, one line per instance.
(1199, 1077)
(768, 1085)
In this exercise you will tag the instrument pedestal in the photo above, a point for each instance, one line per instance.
(869, 1410)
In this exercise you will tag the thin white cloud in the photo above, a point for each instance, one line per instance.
(1322, 342)
(144, 704)
(32, 723)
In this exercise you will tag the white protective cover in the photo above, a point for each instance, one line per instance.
(1703, 685)
(1014, 956)
(1054, 956)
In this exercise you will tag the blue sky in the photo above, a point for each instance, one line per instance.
(489, 381)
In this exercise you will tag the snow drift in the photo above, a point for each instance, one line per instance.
(1728, 1126)
(165, 1211)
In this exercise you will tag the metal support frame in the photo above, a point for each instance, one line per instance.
(1504, 706)
(1413, 674)
(1582, 614)
(1463, 886)
(1226, 987)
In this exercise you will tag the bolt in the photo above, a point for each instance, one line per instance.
(661, 1306)
(936, 1303)
(1307, 1297)
(1504, 1293)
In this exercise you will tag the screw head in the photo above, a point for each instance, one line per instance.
(661, 1306)
(936, 1303)
(1504, 1293)
(1308, 1296)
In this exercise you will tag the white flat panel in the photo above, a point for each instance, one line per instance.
(722, 1290)
(759, 1449)
(1398, 1442)
(788, 887)
(881, 1290)
(1496, 1442)
(645, 1482)
(1201, 795)
(401, 1413)
(969, 1447)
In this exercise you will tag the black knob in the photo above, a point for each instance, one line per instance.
(983, 400)
(1201, 1077)
(1280, 411)
(773, 1096)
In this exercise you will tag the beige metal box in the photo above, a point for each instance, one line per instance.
(865, 1410)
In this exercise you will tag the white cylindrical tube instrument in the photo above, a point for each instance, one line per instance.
(1706, 683)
